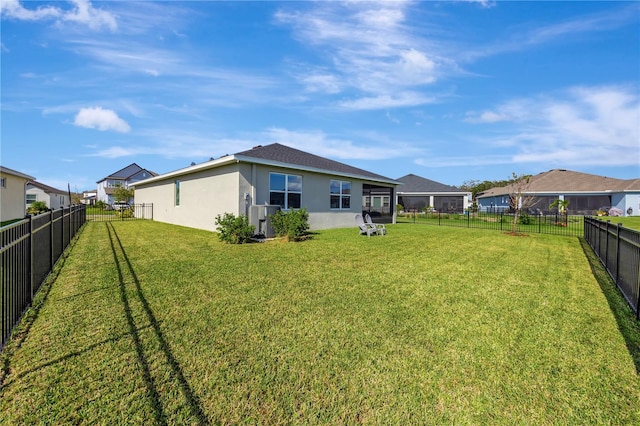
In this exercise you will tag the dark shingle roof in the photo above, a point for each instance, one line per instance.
(290, 156)
(46, 188)
(278, 155)
(127, 172)
(560, 180)
(413, 183)
(131, 169)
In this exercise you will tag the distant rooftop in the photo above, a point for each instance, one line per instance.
(561, 180)
(127, 172)
(418, 184)
(46, 188)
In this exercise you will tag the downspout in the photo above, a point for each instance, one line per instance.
(253, 183)
(24, 197)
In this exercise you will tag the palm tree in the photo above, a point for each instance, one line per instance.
(561, 205)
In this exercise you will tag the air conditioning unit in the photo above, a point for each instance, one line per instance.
(260, 217)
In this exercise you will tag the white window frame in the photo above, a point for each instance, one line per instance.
(287, 190)
(341, 194)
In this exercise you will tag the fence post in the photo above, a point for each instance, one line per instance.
(617, 250)
(51, 236)
(606, 246)
(61, 231)
(31, 257)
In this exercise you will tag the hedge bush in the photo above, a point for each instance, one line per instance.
(293, 224)
(234, 230)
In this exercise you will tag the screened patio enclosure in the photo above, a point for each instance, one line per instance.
(377, 202)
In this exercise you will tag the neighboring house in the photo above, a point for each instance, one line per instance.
(89, 197)
(52, 197)
(418, 194)
(12, 194)
(123, 177)
(586, 193)
(273, 175)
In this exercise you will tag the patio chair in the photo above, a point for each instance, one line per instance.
(379, 227)
(364, 228)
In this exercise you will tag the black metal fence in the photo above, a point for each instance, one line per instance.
(29, 249)
(107, 213)
(619, 251)
(541, 223)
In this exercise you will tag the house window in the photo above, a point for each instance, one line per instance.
(3, 182)
(285, 190)
(177, 192)
(31, 198)
(340, 194)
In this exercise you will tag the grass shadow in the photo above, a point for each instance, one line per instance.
(71, 355)
(152, 391)
(625, 318)
(176, 371)
(21, 331)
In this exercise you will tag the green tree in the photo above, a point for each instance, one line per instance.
(561, 205)
(122, 194)
(477, 186)
(76, 197)
(518, 198)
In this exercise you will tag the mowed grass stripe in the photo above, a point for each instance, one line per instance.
(424, 325)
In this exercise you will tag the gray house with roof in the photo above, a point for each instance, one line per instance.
(419, 194)
(258, 181)
(122, 178)
(586, 193)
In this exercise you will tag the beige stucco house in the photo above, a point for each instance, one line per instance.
(12, 194)
(52, 197)
(271, 175)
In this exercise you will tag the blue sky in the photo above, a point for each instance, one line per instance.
(448, 90)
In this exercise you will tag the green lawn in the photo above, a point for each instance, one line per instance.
(152, 323)
(632, 222)
(550, 224)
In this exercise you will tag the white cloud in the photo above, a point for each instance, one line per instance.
(101, 119)
(321, 82)
(590, 23)
(116, 152)
(484, 3)
(82, 12)
(387, 101)
(320, 143)
(13, 9)
(370, 52)
(579, 126)
(95, 19)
